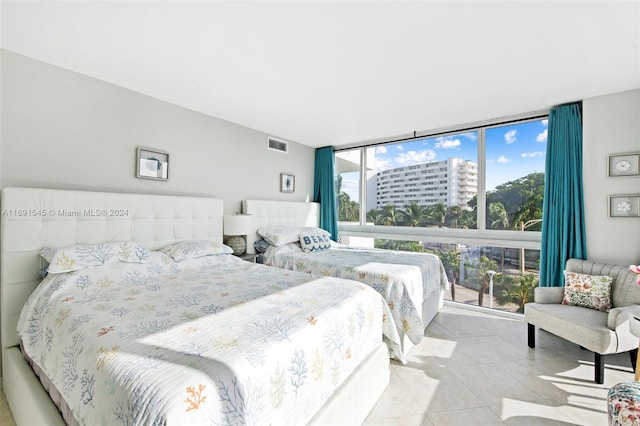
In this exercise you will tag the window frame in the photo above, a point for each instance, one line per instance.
(473, 237)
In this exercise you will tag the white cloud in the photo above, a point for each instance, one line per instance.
(414, 157)
(381, 150)
(542, 137)
(510, 136)
(382, 164)
(532, 154)
(545, 122)
(503, 159)
(469, 135)
(447, 143)
(400, 148)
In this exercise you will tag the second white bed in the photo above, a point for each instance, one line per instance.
(412, 283)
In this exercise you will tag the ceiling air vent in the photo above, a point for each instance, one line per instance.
(277, 145)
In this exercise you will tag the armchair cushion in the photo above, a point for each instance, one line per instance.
(548, 294)
(582, 326)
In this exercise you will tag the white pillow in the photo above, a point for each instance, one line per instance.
(80, 256)
(314, 239)
(191, 249)
(280, 235)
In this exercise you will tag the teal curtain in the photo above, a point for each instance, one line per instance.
(563, 230)
(324, 190)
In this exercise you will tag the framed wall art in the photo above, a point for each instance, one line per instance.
(624, 165)
(152, 164)
(624, 205)
(287, 182)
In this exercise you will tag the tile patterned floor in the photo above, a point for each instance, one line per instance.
(474, 368)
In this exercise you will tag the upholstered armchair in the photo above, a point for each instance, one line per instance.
(600, 331)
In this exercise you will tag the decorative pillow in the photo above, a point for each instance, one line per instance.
(314, 240)
(191, 249)
(280, 235)
(589, 291)
(261, 245)
(81, 256)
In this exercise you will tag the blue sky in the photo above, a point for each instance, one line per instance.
(513, 151)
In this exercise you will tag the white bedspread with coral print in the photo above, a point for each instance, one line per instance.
(214, 340)
(404, 279)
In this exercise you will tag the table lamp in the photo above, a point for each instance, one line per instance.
(235, 228)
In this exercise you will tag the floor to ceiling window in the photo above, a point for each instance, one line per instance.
(473, 197)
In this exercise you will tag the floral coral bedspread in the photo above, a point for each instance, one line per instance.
(212, 340)
(404, 279)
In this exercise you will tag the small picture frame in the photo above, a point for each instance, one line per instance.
(152, 164)
(287, 182)
(624, 205)
(624, 165)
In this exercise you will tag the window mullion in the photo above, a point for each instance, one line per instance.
(363, 186)
(481, 207)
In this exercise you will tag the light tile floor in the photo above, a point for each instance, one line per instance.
(474, 368)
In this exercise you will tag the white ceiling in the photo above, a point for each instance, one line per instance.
(336, 73)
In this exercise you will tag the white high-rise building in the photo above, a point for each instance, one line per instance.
(453, 182)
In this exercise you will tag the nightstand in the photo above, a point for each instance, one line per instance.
(249, 257)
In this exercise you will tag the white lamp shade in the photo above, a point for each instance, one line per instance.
(238, 224)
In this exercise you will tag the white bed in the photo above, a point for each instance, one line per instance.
(273, 213)
(37, 218)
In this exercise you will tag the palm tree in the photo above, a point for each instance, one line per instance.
(374, 216)
(436, 214)
(468, 219)
(498, 218)
(389, 215)
(451, 261)
(348, 211)
(413, 214)
(518, 291)
(521, 198)
(453, 214)
(482, 268)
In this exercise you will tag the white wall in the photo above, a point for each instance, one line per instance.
(60, 129)
(611, 125)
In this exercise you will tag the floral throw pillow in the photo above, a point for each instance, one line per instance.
(589, 291)
(190, 249)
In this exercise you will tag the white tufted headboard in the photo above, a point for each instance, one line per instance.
(34, 218)
(266, 213)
